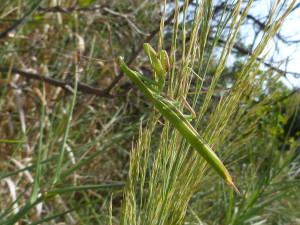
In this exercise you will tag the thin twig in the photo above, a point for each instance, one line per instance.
(258, 23)
(249, 53)
(64, 85)
(19, 22)
(295, 91)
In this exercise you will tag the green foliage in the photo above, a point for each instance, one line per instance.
(73, 157)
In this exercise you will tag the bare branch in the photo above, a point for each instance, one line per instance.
(64, 85)
(295, 91)
(260, 24)
(19, 22)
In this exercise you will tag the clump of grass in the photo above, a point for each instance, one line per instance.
(83, 145)
(174, 174)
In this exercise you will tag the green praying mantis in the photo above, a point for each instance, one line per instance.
(153, 90)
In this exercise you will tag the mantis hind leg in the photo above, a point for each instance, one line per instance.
(193, 114)
(177, 104)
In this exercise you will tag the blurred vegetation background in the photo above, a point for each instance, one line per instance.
(83, 156)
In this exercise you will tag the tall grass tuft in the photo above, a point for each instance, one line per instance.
(64, 155)
(165, 180)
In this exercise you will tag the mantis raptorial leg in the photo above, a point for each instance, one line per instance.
(168, 109)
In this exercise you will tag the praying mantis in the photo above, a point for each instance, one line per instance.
(153, 90)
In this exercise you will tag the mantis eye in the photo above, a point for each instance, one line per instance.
(119, 59)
